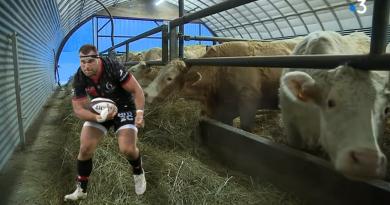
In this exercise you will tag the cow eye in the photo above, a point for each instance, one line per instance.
(169, 79)
(331, 103)
(387, 111)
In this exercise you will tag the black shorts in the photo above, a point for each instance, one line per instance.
(125, 118)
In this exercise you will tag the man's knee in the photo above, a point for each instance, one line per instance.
(130, 150)
(86, 151)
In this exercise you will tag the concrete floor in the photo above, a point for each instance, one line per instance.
(25, 176)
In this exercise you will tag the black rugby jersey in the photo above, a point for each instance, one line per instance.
(109, 85)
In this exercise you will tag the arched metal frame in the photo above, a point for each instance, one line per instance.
(231, 34)
(73, 14)
(335, 16)
(281, 25)
(223, 19)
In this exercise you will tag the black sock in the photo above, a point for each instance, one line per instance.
(136, 164)
(84, 169)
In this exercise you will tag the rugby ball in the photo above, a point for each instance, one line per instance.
(98, 104)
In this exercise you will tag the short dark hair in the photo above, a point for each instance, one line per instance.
(85, 49)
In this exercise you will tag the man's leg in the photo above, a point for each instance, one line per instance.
(127, 140)
(91, 135)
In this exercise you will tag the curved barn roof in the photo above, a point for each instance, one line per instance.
(74, 12)
(261, 19)
(269, 19)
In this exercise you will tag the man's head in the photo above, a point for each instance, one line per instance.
(89, 60)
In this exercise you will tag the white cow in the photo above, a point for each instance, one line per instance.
(342, 110)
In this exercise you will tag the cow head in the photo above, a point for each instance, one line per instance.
(351, 106)
(139, 70)
(168, 80)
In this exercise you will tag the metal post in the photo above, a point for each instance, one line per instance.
(164, 45)
(97, 33)
(17, 89)
(93, 31)
(380, 20)
(173, 43)
(126, 53)
(181, 30)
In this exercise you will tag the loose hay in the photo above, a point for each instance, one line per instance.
(177, 171)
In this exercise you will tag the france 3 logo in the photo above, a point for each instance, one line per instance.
(360, 8)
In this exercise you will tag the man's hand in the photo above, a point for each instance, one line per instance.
(139, 119)
(103, 116)
(106, 114)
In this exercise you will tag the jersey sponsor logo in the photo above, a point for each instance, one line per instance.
(109, 88)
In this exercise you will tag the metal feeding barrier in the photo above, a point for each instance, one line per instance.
(309, 177)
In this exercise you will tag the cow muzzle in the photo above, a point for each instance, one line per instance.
(363, 164)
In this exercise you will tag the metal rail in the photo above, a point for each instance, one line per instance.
(131, 63)
(135, 38)
(221, 39)
(366, 62)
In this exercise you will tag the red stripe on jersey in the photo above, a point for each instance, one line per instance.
(129, 76)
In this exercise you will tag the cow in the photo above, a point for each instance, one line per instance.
(388, 48)
(225, 92)
(145, 74)
(342, 110)
(152, 54)
(131, 56)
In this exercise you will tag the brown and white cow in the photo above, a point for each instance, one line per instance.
(388, 48)
(342, 110)
(131, 56)
(145, 74)
(225, 92)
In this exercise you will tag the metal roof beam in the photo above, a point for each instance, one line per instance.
(293, 15)
(208, 11)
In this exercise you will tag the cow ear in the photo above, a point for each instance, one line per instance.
(300, 87)
(181, 65)
(142, 64)
(211, 52)
(192, 78)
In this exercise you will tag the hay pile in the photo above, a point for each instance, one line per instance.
(177, 171)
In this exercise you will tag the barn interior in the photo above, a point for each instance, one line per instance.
(189, 158)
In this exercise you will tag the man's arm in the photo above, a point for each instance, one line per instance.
(133, 87)
(81, 111)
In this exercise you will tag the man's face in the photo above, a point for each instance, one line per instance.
(89, 63)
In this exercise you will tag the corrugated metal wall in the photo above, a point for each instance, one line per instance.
(37, 24)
